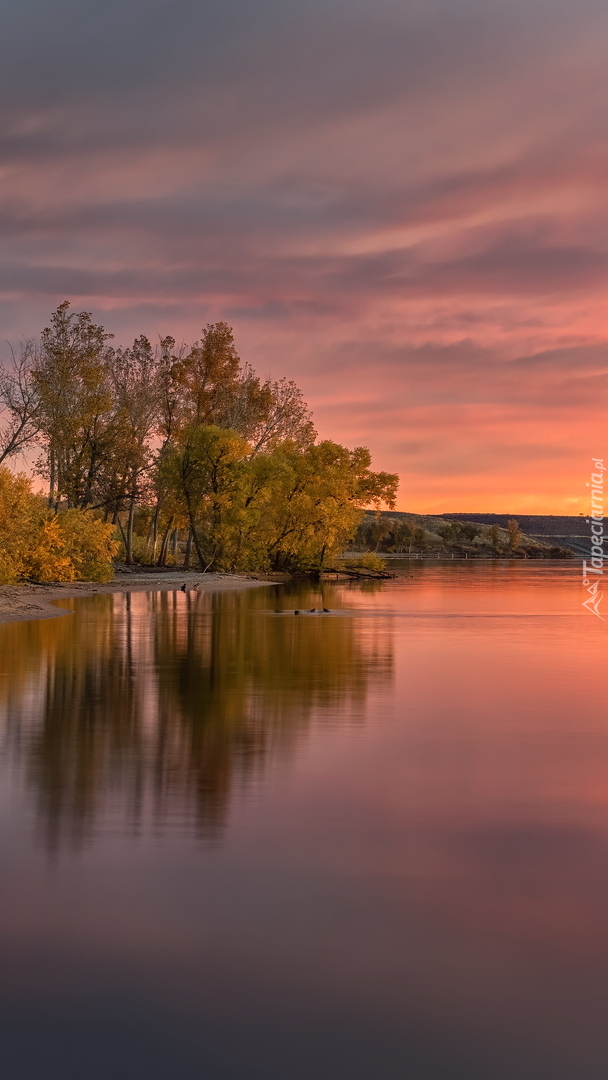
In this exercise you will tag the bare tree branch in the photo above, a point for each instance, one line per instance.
(19, 422)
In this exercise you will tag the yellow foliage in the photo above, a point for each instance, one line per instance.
(36, 543)
(88, 543)
(48, 561)
(17, 525)
(368, 561)
(290, 508)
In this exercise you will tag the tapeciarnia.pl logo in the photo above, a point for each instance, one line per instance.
(593, 571)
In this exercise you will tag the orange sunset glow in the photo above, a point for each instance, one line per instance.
(402, 207)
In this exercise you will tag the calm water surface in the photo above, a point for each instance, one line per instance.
(237, 844)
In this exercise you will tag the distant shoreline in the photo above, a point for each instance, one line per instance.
(19, 603)
(446, 556)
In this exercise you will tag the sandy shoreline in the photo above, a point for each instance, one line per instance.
(20, 602)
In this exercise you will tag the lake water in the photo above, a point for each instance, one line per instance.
(240, 844)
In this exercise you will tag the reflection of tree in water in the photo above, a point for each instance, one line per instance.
(151, 706)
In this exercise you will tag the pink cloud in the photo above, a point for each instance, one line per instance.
(403, 212)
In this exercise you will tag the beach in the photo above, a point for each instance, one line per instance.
(35, 601)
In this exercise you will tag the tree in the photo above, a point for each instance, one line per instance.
(136, 394)
(204, 479)
(495, 538)
(185, 435)
(514, 534)
(319, 499)
(71, 377)
(288, 508)
(418, 538)
(213, 388)
(206, 385)
(268, 413)
(207, 371)
(378, 529)
(19, 405)
(401, 536)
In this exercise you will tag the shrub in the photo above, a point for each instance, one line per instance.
(17, 525)
(37, 543)
(369, 561)
(88, 543)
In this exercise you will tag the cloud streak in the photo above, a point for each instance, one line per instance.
(401, 205)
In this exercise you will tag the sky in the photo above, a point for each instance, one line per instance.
(400, 204)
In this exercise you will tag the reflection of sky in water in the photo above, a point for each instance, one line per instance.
(237, 845)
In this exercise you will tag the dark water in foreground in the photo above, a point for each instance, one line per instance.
(236, 845)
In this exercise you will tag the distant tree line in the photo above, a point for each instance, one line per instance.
(158, 442)
(382, 533)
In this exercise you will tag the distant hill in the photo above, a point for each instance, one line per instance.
(570, 532)
(532, 524)
(473, 536)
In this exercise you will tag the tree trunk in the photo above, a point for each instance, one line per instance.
(165, 543)
(51, 477)
(153, 534)
(129, 539)
(122, 531)
(188, 550)
(195, 534)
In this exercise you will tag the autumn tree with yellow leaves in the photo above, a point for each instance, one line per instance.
(289, 508)
(179, 437)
